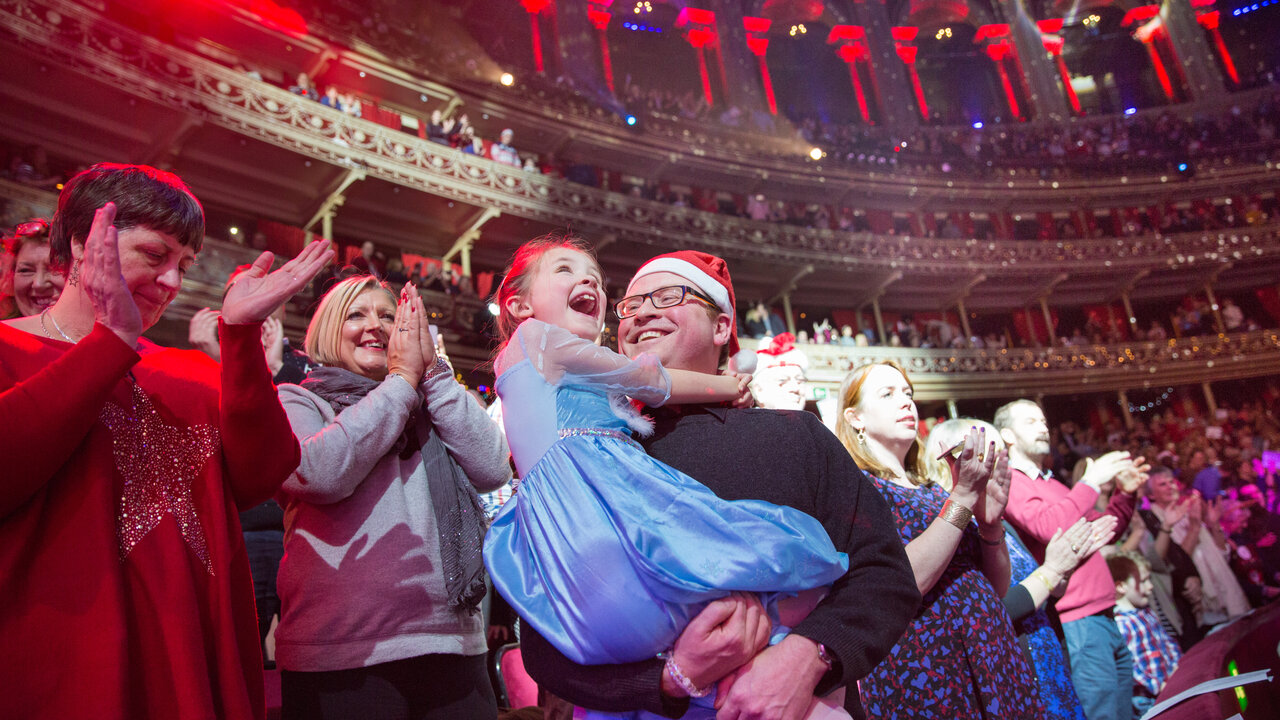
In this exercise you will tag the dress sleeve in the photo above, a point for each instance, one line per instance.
(258, 446)
(564, 358)
(50, 412)
(338, 455)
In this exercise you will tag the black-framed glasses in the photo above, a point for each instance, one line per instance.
(663, 297)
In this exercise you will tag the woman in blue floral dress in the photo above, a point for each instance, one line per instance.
(959, 658)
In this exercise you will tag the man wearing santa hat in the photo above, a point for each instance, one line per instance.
(680, 307)
(778, 382)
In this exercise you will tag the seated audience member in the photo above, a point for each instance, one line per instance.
(778, 382)
(473, 146)
(1155, 654)
(32, 285)
(503, 152)
(331, 98)
(959, 657)
(1176, 587)
(304, 87)
(124, 590)
(1252, 536)
(436, 130)
(382, 578)
(1197, 529)
(370, 260)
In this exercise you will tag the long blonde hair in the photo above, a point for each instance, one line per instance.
(325, 330)
(850, 396)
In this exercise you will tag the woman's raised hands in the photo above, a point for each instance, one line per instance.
(113, 304)
(256, 293)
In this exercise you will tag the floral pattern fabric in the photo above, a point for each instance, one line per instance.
(959, 658)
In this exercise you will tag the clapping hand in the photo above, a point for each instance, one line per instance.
(990, 510)
(977, 460)
(1132, 478)
(1101, 473)
(202, 333)
(113, 304)
(404, 346)
(255, 294)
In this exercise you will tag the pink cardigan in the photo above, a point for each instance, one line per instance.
(1038, 507)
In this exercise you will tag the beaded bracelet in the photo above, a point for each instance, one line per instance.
(993, 543)
(440, 368)
(683, 680)
(956, 514)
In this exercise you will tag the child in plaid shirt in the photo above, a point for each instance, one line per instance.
(1155, 654)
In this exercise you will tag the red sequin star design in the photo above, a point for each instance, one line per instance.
(158, 462)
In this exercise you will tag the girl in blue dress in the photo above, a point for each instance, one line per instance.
(607, 552)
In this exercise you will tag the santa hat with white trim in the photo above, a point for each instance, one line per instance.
(704, 271)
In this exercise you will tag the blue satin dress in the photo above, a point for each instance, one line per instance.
(607, 552)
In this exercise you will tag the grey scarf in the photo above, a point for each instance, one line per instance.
(459, 517)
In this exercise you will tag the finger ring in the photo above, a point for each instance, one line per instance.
(402, 329)
(1075, 548)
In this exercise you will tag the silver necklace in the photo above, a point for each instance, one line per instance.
(55, 326)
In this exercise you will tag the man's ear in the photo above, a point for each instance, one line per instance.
(1008, 437)
(723, 330)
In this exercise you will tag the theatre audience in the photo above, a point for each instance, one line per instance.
(382, 578)
(959, 657)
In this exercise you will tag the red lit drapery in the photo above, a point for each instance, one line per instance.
(1053, 42)
(903, 36)
(599, 15)
(851, 47)
(700, 30)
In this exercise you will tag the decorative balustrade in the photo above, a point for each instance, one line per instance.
(72, 34)
(1007, 372)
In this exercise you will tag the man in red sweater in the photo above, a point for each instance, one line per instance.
(1039, 505)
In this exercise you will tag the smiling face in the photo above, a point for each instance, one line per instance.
(1163, 489)
(886, 409)
(35, 286)
(688, 336)
(1136, 591)
(566, 289)
(781, 387)
(362, 344)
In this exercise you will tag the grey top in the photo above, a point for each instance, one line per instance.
(361, 580)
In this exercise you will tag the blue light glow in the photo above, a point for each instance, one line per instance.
(1182, 167)
(1130, 111)
(977, 125)
(631, 120)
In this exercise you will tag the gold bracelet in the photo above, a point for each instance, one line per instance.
(993, 543)
(956, 514)
(1047, 585)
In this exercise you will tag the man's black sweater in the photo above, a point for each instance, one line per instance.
(787, 458)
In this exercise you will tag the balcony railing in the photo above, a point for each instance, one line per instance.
(1011, 372)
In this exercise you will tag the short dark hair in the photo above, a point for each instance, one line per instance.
(144, 197)
(1123, 568)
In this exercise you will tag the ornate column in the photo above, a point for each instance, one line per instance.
(1186, 37)
(851, 47)
(1037, 69)
(889, 83)
(1053, 42)
(1209, 20)
(737, 59)
(598, 14)
(1000, 50)
(1149, 31)
(758, 43)
(903, 37)
(699, 30)
(535, 8)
